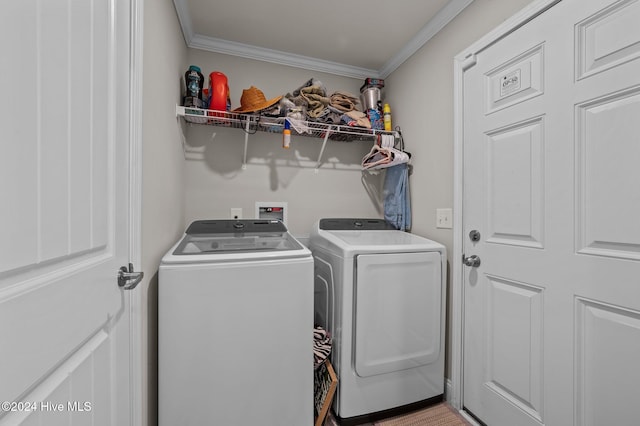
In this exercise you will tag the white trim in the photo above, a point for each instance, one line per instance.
(457, 312)
(218, 45)
(185, 20)
(468, 418)
(242, 50)
(435, 24)
(507, 27)
(447, 396)
(462, 62)
(447, 390)
(135, 205)
(469, 61)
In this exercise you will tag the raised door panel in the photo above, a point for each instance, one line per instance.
(60, 151)
(607, 155)
(516, 80)
(515, 184)
(513, 330)
(608, 38)
(606, 356)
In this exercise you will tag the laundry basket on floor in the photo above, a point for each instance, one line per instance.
(324, 386)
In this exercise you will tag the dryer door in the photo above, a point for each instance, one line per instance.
(397, 311)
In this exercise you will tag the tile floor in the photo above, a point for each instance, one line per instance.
(332, 421)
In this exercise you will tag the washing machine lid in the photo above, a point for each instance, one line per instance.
(349, 237)
(218, 240)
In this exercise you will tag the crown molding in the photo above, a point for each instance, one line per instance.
(435, 24)
(277, 57)
(217, 45)
(185, 19)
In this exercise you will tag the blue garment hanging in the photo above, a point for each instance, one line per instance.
(395, 191)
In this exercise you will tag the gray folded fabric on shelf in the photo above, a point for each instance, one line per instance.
(310, 82)
(316, 98)
(329, 118)
(297, 96)
(356, 119)
(343, 101)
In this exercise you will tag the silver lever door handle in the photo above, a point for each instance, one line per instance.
(473, 261)
(128, 279)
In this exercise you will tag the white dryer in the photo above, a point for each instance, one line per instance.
(381, 293)
(235, 327)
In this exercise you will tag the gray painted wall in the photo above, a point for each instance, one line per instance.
(177, 191)
(165, 55)
(216, 182)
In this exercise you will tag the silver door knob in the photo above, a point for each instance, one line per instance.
(128, 279)
(473, 261)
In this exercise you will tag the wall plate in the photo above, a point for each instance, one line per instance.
(272, 210)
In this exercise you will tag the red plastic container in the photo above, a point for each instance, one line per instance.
(219, 92)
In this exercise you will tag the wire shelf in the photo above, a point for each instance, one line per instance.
(252, 123)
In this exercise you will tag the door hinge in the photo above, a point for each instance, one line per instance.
(469, 61)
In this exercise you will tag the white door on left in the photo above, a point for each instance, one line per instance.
(64, 215)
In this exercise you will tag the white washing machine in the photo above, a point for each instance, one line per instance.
(381, 293)
(235, 327)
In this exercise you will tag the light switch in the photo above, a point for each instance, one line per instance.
(444, 218)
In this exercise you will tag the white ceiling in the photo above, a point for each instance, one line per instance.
(353, 38)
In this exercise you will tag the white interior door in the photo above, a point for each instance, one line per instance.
(64, 167)
(551, 154)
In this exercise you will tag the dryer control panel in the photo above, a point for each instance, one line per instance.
(352, 224)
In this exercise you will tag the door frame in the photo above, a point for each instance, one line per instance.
(462, 62)
(135, 205)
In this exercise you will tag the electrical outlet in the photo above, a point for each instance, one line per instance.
(444, 218)
(236, 213)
